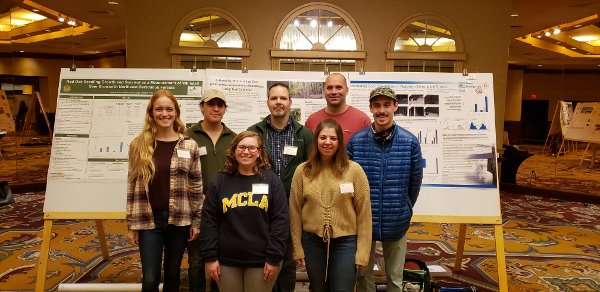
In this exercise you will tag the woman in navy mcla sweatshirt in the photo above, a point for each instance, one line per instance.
(245, 220)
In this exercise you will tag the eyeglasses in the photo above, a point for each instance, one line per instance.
(251, 149)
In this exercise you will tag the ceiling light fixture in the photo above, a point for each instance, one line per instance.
(539, 36)
(329, 23)
(113, 2)
(71, 22)
(296, 22)
(577, 26)
(514, 15)
(548, 33)
(539, 65)
(556, 30)
(61, 18)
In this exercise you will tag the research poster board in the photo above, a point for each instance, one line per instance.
(452, 116)
(566, 111)
(7, 122)
(248, 94)
(99, 112)
(585, 123)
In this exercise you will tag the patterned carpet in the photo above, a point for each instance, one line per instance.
(563, 173)
(551, 245)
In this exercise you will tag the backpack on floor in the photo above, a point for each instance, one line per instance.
(414, 280)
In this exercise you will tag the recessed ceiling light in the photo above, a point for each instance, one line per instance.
(558, 43)
(556, 30)
(539, 65)
(539, 36)
(21, 51)
(514, 14)
(577, 25)
(573, 48)
(113, 2)
(548, 33)
(35, 10)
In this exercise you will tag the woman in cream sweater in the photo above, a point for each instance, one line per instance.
(330, 213)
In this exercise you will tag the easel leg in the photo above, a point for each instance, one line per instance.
(460, 247)
(43, 260)
(500, 257)
(102, 239)
(584, 153)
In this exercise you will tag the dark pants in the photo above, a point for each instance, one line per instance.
(196, 273)
(164, 237)
(286, 281)
(341, 270)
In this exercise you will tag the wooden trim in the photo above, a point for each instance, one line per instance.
(458, 42)
(323, 6)
(396, 55)
(307, 54)
(225, 52)
(204, 12)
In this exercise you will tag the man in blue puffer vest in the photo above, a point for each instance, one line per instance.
(391, 157)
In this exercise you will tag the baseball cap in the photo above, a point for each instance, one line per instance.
(383, 91)
(213, 93)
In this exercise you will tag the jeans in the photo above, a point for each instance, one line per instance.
(164, 237)
(286, 281)
(341, 270)
(394, 253)
(196, 272)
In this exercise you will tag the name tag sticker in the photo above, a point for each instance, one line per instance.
(260, 189)
(202, 150)
(290, 150)
(346, 188)
(183, 153)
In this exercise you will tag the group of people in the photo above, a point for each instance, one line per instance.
(251, 207)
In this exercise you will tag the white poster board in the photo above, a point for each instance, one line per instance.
(7, 121)
(99, 112)
(585, 123)
(453, 117)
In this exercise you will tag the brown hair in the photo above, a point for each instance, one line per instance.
(340, 161)
(231, 165)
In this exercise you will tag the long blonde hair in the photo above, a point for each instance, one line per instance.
(141, 149)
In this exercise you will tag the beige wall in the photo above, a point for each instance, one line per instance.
(49, 72)
(482, 24)
(514, 95)
(557, 86)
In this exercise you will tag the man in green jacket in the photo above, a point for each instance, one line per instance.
(213, 139)
(287, 143)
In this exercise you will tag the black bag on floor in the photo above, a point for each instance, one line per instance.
(6, 196)
(416, 280)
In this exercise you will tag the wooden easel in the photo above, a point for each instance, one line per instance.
(483, 220)
(30, 117)
(49, 217)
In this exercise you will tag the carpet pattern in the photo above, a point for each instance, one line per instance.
(559, 173)
(551, 245)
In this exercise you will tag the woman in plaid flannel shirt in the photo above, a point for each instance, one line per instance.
(164, 192)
